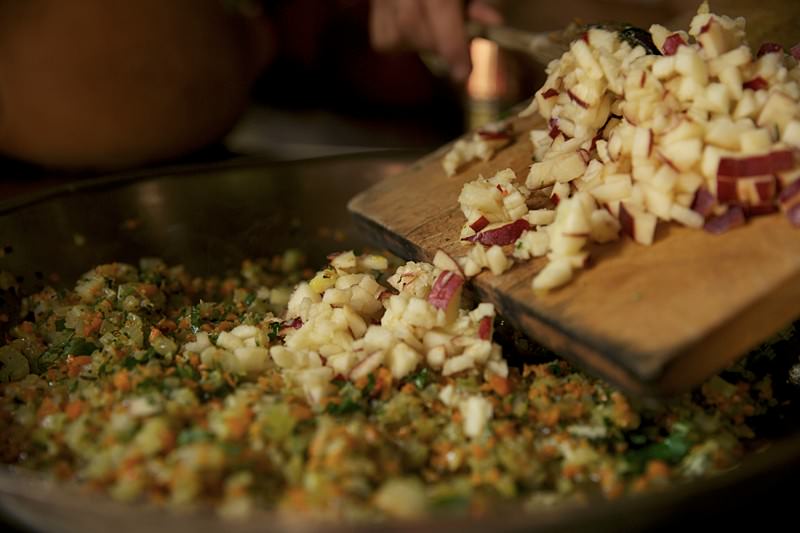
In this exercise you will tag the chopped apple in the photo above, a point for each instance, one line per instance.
(791, 133)
(756, 165)
(605, 227)
(723, 132)
(779, 110)
(561, 169)
(445, 261)
(657, 202)
(540, 217)
(704, 202)
(756, 190)
(553, 275)
(446, 294)
(682, 155)
(637, 223)
(732, 218)
(790, 196)
(687, 217)
(612, 191)
(501, 235)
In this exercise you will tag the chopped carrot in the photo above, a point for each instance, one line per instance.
(75, 364)
(500, 385)
(74, 409)
(122, 380)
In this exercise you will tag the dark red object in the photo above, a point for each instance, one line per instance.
(732, 218)
(756, 84)
(549, 93)
(554, 131)
(626, 221)
(757, 165)
(794, 216)
(703, 202)
(485, 328)
(795, 51)
(769, 48)
(672, 43)
(479, 224)
(444, 288)
(502, 235)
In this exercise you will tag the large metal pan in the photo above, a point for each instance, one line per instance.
(209, 219)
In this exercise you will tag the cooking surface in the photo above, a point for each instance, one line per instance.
(654, 320)
(236, 210)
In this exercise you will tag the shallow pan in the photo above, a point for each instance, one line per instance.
(211, 217)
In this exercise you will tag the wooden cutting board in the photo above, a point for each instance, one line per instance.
(654, 320)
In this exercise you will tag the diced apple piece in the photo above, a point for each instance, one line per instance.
(757, 165)
(686, 129)
(614, 191)
(689, 182)
(664, 179)
(723, 132)
(689, 63)
(657, 202)
(642, 143)
(445, 261)
(663, 67)
(585, 58)
(682, 155)
(732, 218)
(605, 227)
(659, 34)
(541, 141)
(779, 110)
(560, 192)
(446, 294)
(756, 190)
(576, 222)
(713, 40)
(540, 217)
(747, 106)
(501, 235)
(731, 77)
(791, 133)
(553, 275)
(788, 177)
(686, 216)
(637, 223)
(561, 169)
(755, 141)
(498, 262)
(790, 196)
(710, 162)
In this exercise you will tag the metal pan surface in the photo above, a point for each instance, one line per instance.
(211, 217)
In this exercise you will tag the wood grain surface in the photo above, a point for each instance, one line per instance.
(654, 320)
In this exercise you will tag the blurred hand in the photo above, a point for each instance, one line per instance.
(429, 25)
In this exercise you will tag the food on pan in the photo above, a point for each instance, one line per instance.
(701, 131)
(359, 392)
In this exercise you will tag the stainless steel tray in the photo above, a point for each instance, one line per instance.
(211, 217)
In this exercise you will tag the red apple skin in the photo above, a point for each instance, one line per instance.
(756, 84)
(626, 221)
(726, 189)
(672, 43)
(769, 48)
(503, 235)
(703, 202)
(732, 218)
(790, 196)
(485, 328)
(794, 215)
(444, 289)
(757, 165)
(479, 224)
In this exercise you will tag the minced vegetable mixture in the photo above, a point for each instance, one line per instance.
(152, 384)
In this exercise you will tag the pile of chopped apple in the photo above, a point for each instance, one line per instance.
(705, 135)
(481, 145)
